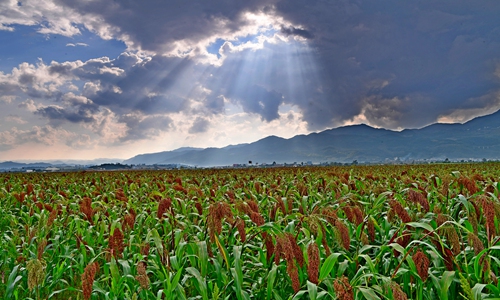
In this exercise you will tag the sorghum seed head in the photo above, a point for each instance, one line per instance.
(145, 250)
(475, 243)
(349, 214)
(36, 273)
(358, 215)
(293, 272)
(116, 243)
(253, 205)
(313, 262)
(86, 208)
(397, 292)
(418, 198)
(199, 208)
(400, 211)
(489, 213)
(41, 248)
(453, 239)
(371, 229)
(142, 276)
(343, 288)
(441, 219)
(163, 207)
(268, 241)
(88, 277)
(281, 206)
(345, 239)
(329, 214)
(240, 225)
(297, 252)
(422, 264)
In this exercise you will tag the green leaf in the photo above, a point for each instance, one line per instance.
(323, 294)
(370, 263)
(447, 279)
(328, 265)
(420, 225)
(125, 266)
(342, 267)
(369, 293)
(223, 250)
(157, 240)
(159, 295)
(115, 273)
(99, 289)
(203, 257)
(175, 280)
(312, 290)
(477, 289)
(237, 272)
(271, 227)
(366, 247)
(397, 247)
(298, 295)
(201, 283)
(11, 282)
(60, 291)
(478, 269)
(276, 295)
(270, 281)
(442, 285)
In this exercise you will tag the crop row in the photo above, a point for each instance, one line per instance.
(364, 232)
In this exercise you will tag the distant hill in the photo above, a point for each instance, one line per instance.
(476, 139)
(8, 165)
(164, 157)
(14, 165)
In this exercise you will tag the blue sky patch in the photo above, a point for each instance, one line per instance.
(25, 44)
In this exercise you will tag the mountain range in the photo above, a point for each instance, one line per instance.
(7, 165)
(476, 139)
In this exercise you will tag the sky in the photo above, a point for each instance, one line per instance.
(117, 78)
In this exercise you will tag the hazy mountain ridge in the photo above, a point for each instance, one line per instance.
(479, 138)
(476, 139)
(54, 163)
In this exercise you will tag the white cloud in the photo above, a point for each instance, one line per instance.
(6, 28)
(284, 67)
(112, 70)
(476, 106)
(29, 105)
(7, 99)
(49, 16)
(76, 44)
(16, 119)
(46, 135)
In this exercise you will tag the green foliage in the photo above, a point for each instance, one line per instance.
(244, 234)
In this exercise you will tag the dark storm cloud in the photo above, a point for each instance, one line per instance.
(138, 91)
(200, 125)
(399, 64)
(60, 68)
(258, 100)
(296, 31)
(27, 79)
(408, 62)
(143, 127)
(214, 103)
(128, 84)
(8, 88)
(157, 24)
(56, 114)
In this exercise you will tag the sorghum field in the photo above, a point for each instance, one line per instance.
(362, 232)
